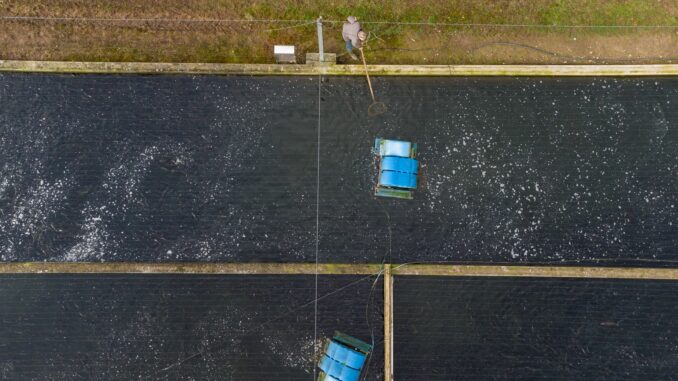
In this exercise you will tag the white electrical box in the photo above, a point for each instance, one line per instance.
(284, 54)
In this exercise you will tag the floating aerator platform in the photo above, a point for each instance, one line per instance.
(343, 358)
(397, 168)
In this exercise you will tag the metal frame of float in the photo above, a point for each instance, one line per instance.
(404, 173)
(343, 358)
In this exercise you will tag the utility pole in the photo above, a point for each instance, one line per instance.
(321, 53)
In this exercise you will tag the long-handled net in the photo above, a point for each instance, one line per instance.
(376, 108)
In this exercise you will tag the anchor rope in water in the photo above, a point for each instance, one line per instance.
(210, 348)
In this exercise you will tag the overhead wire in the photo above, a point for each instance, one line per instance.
(561, 55)
(301, 23)
(305, 21)
(386, 259)
(148, 19)
(317, 229)
(424, 23)
(540, 50)
(291, 26)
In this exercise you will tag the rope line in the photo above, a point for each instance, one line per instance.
(209, 348)
(291, 26)
(148, 19)
(513, 25)
(317, 235)
(563, 55)
(538, 50)
(377, 22)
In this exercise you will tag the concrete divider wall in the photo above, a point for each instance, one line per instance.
(340, 269)
(275, 69)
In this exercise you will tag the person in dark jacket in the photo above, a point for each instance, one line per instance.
(350, 33)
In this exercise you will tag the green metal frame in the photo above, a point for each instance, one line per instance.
(392, 192)
(352, 342)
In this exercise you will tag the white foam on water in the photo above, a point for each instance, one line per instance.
(297, 355)
(29, 216)
(119, 192)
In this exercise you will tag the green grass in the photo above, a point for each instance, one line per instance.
(559, 12)
(633, 12)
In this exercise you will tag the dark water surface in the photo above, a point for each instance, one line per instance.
(535, 329)
(140, 327)
(211, 168)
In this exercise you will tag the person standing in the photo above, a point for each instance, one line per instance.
(350, 33)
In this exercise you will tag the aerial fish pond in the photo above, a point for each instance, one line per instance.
(231, 168)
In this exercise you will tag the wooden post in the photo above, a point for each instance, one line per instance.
(388, 323)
